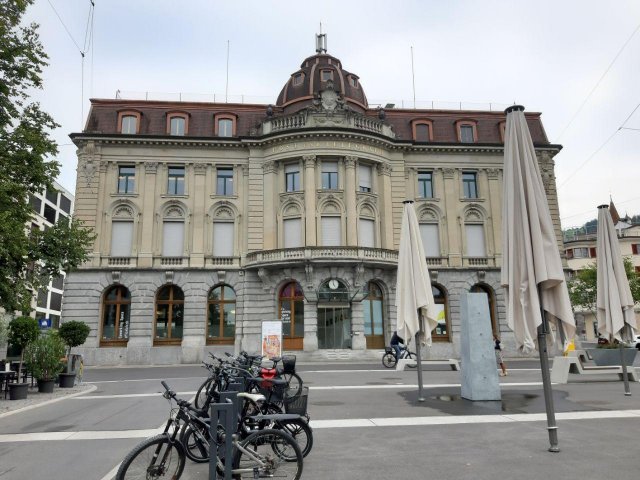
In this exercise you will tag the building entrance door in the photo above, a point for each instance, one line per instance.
(334, 327)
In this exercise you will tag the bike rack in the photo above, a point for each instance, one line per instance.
(226, 414)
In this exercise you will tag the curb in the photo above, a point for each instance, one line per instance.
(48, 402)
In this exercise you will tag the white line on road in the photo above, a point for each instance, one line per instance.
(144, 380)
(406, 386)
(129, 395)
(379, 370)
(342, 423)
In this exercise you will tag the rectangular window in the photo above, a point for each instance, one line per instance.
(430, 239)
(223, 239)
(292, 177)
(126, 179)
(65, 203)
(422, 132)
(224, 181)
(635, 248)
(49, 213)
(52, 196)
(175, 184)
(475, 241)
(364, 178)
(121, 239)
(425, 184)
(173, 239)
(592, 252)
(469, 185)
(581, 252)
(56, 301)
(367, 233)
(292, 230)
(225, 127)
(331, 231)
(466, 134)
(43, 298)
(35, 203)
(326, 75)
(177, 126)
(297, 79)
(569, 253)
(129, 125)
(329, 175)
(57, 282)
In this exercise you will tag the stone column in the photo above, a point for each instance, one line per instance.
(198, 223)
(100, 230)
(451, 195)
(350, 200)
(145, 254)
(494, 196)
(310, 199)
(386, 213)
(269, 237)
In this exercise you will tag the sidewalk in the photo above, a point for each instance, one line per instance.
(35, 399)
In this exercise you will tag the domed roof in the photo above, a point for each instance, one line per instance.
(316, 74)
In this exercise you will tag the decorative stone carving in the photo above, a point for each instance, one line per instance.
(449, 172)
(150, 167)
(385, 168)
(115, 277)
(473, 214)
(493, 173)
(434, 275)
(174, 211)
(224, 213)
(265, 278)
(481, 275)
(168, 276)
(329, 101)
(292, 197)
(308, 270)
(123, 211)
(222, 275)
(429, 214)
(104, 166)
(309, 161)
(200, 168)
(358, 275)
(88, 169)
(350, 161)
(269, 167)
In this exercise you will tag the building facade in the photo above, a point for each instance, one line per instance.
(212, 218)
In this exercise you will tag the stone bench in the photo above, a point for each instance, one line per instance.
(562, 366)
(404, 362)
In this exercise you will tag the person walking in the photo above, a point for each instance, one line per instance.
(499, 357)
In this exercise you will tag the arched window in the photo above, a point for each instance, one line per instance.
(116, 308)
(169, 315)
(373, 316)
(479, 288)
(441, 332)
(221, 321)
(291, 312)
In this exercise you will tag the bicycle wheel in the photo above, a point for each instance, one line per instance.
(389, 360)
(156, 457)
(195, 440)
(300, 431)
(411, 356)
(203, 393)
(268, 453)
(294, 386)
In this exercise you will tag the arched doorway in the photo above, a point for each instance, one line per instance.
(334, 315)
(372, 306)
(291, 312)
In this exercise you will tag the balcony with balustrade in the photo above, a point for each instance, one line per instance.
(378, 257)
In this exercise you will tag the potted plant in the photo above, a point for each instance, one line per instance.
(43, 358)
(608, 354)
(22, 331)
(73, 334)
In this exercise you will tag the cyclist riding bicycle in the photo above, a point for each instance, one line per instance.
(397, 343)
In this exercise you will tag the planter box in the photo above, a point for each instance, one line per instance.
(45, 386)
(67, 380)
(611, 356)
(18, 391)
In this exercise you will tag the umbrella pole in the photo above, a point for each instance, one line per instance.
(625, 378)
(419, 367)
(552, 428)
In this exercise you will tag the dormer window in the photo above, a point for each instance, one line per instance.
(503, 127)
(466, 130)
(326, 75)
(225, 125)
(353, 81)
(422, 130)
(177, 124)
(297, 79)
(129, 122)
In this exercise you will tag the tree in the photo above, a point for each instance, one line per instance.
(27, 259)
(583, 288)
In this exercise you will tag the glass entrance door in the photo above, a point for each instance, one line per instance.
(334, 327)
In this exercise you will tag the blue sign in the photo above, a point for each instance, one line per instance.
(45, 323)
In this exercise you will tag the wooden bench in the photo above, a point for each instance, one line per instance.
(563, 366)
(404, 362)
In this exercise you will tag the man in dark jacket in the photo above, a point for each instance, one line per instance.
(396, 341)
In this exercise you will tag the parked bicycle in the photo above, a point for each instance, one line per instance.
(389, 359)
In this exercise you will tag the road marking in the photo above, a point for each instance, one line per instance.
(340, 423)
(392, 370)
(407, 386)
(48, 402)
(144, 380)
(129, 395)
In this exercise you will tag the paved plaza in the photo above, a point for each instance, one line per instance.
(367, 424)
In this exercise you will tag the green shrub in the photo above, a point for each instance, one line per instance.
(73, 334)
(43, 356)
(23, 331)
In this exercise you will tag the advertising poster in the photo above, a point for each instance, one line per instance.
(272, 339)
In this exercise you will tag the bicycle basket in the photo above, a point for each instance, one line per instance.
(289, 364)
(298, 406)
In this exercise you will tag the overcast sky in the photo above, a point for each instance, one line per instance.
(546, 55)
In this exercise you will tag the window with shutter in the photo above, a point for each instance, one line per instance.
(292, 233)
(592, 252)
(475, 241)
(223, 239)
(329, 175)
(121, 239)
(430, 239)
(367, 233)
(331, 231)
(364, 178)
(173, 239)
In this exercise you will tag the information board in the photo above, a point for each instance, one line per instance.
(272, 339)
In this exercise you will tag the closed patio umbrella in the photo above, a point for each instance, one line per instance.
(616, 318)
(532, 275)
(414, 298)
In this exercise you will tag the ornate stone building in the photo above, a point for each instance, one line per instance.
(213, 217)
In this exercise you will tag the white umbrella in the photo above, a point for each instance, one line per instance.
(532, 274)
(414, 298)
(616, 318)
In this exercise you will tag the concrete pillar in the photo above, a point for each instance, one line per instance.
(479, 367)
(494, 196)
(451, 195)
(350, 200)
(386, 214)
(145, 253)
(270, 177)
(198, 219)
(310, 199)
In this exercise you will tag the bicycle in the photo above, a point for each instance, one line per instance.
(389, 357)
(262, 454)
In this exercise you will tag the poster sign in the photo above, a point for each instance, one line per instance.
(272, 339)
(44, 323)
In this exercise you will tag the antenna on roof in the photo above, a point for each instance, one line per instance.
(413, 77)
(321, 41)
(226, 88)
